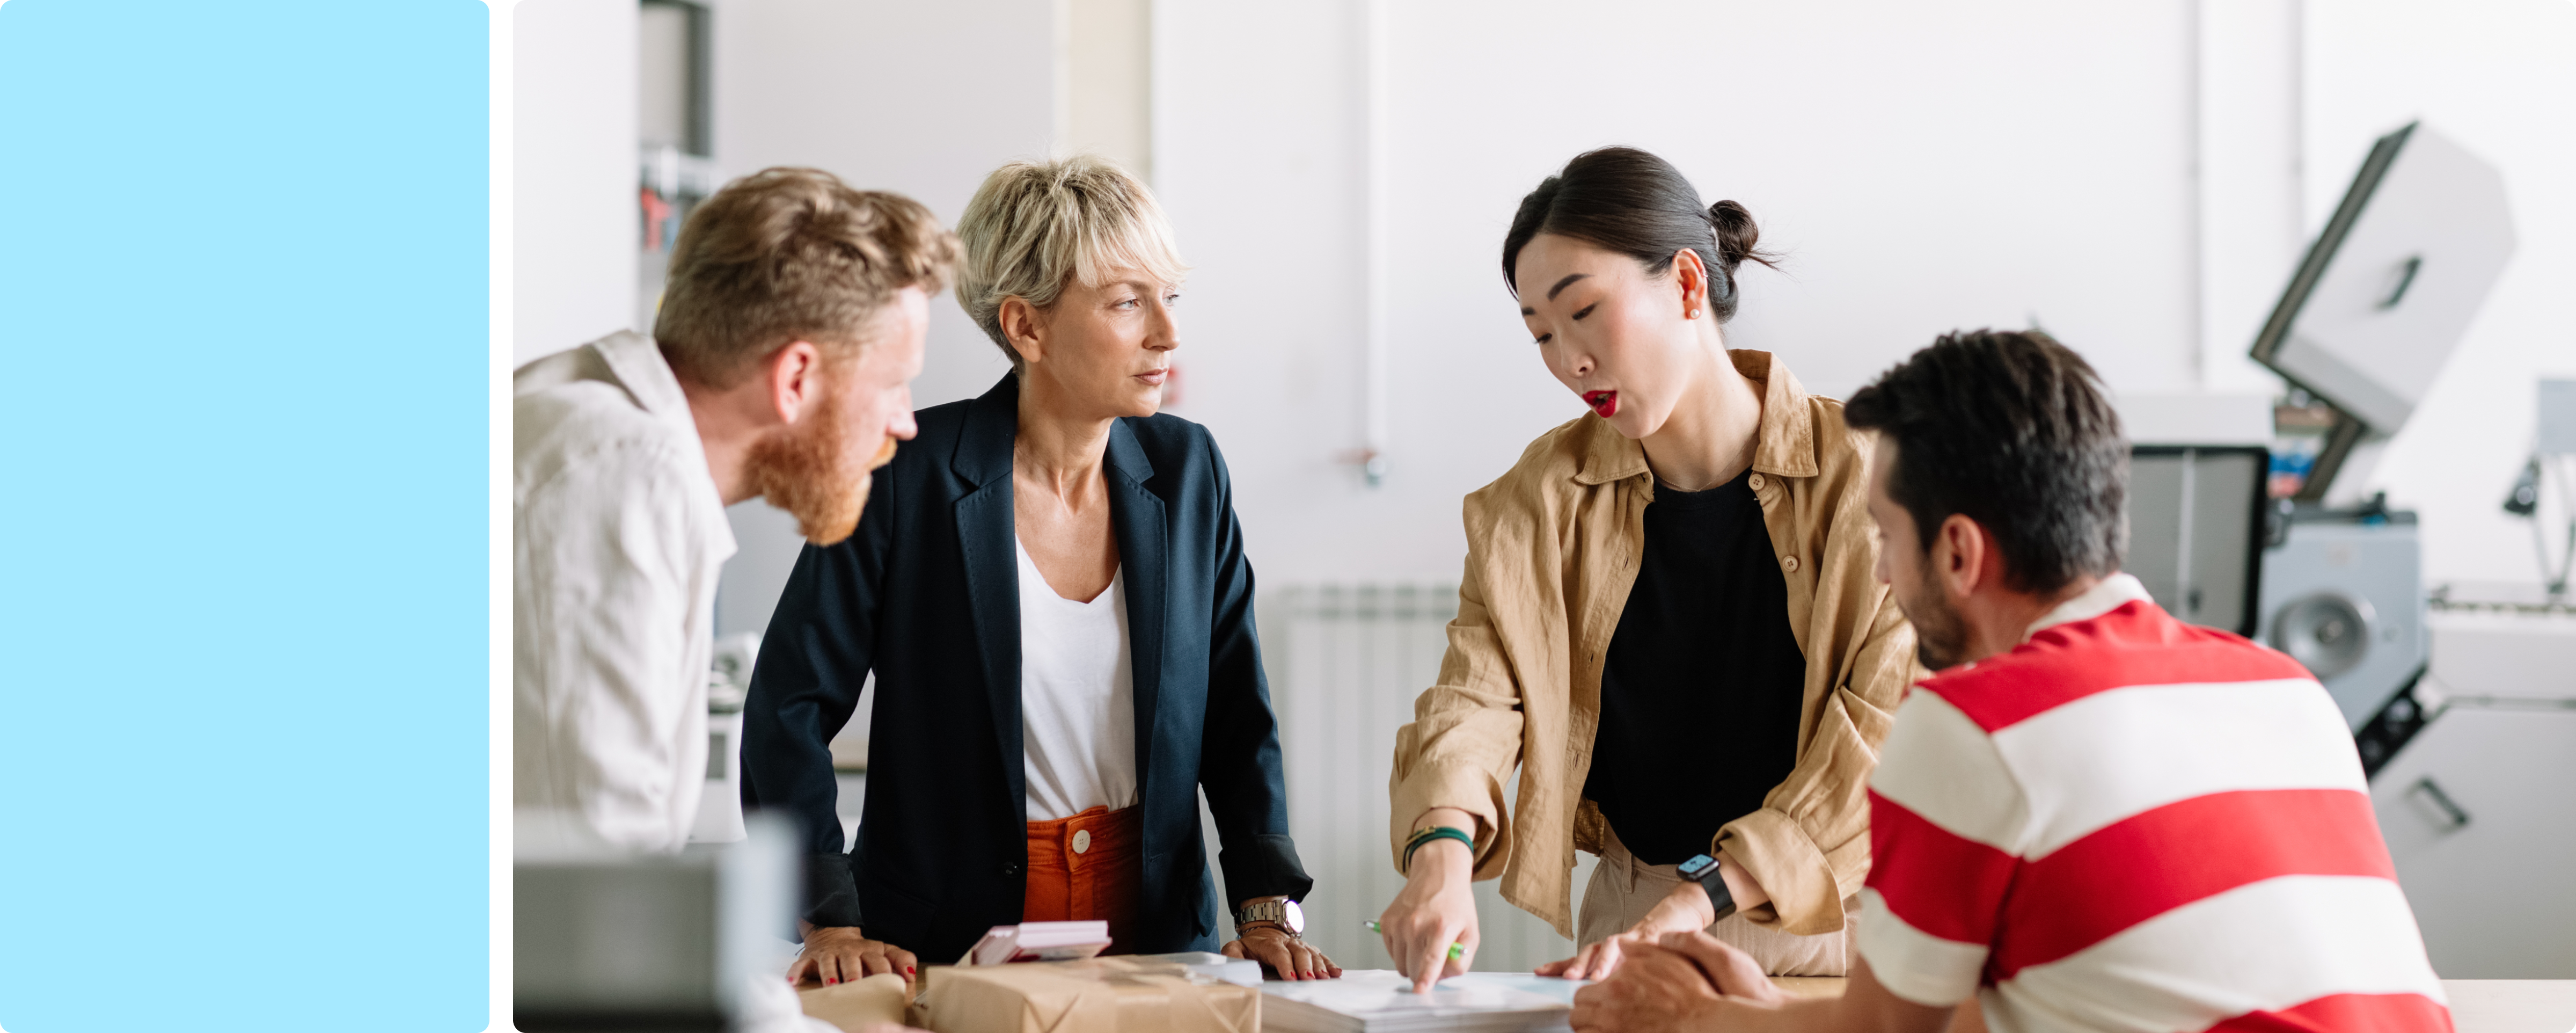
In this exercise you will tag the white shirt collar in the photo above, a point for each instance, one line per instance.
(638, 364)
(2106, 595)
(646, 376)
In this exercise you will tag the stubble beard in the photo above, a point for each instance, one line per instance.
(818, 472)
(1940, 637)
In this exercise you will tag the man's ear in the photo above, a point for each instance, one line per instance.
(1959, 556)
(1022, 327)
(795, 380)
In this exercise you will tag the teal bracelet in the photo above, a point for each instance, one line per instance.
(1422, 836)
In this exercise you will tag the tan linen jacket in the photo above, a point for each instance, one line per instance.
(1552, 550)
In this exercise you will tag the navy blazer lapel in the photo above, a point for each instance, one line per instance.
(988, 538)
(1144, 551)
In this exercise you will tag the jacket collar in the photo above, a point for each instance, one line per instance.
(1784, 443)
(993, 420)
(986, 537)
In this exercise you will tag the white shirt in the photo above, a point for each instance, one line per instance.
(1077, 697)
(618, 536)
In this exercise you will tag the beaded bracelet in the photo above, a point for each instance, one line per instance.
(1426, 835)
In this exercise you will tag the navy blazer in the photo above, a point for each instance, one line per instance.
(926, 595)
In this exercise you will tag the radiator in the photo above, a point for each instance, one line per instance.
(1345, 663)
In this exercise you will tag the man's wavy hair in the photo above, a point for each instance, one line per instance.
(2012, 430)
(789, 254)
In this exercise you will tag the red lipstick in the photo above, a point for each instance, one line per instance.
(1604, 402)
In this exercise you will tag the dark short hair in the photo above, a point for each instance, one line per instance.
(1632, 202)
(2012, 430)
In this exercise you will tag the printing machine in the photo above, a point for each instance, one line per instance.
(2462, 702)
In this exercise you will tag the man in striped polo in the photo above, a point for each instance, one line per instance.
(2094, 817)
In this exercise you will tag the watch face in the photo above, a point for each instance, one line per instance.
(1698, 864)
(1292, 916)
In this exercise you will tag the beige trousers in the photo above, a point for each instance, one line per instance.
(1623, 889)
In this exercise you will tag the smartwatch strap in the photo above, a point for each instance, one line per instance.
(1704, 870)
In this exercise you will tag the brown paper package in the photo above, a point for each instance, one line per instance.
(1100, 995)
(856, 1006)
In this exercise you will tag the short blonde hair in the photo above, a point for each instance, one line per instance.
(788, 254)
(1035, 228)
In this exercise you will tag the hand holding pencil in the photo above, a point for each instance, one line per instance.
(1430, 928)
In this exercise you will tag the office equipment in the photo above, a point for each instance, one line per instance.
(608, 939)
(2365, 326)
(2552, 455)
(2476, 804)
(2196, 530)
(2343, 594)
(2385, 293)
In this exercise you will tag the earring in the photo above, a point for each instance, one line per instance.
(1690, 314)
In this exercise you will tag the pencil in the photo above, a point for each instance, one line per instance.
(1456, 950)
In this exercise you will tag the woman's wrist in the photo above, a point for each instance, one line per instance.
(1741, 885)
(1441, 859)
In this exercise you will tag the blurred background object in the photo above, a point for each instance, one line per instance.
(2143, 178)
(611, 940)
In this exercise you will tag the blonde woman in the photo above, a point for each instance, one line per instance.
(1050, 588)
(1669, 625)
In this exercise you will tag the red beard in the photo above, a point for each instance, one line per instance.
(818, 471)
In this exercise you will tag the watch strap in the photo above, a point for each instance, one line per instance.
(1708, 873)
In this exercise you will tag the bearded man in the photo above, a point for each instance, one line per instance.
(780, 367)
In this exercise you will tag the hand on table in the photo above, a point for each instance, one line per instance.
(1671, 983)
(1436, 909)
(1290, 956)
(839, 954)
(1685, 909)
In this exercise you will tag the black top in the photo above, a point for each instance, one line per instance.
(926, 596)
(1701, 690)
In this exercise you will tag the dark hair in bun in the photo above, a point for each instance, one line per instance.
(1634, 203)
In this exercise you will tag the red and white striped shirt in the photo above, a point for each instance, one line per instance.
(2131, 823)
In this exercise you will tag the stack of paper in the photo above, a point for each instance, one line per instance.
(1384, 1002)
(1040, 941)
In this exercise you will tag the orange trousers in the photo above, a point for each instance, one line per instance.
(1088, 867)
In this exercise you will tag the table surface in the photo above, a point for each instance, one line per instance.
(2477, 1005)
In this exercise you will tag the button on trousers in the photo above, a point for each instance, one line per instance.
(1088, 867)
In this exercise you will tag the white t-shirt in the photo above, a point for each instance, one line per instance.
(1077, 697)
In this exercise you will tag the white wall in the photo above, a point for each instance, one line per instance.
(920, 99)
(575, 227)
(2499, 76)
(1925, 168)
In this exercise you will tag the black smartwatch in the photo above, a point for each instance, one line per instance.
(1702, 869)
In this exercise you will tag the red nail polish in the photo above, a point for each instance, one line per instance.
(907, 970)
(829, 981)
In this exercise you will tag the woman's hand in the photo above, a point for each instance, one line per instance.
(1283, 951)
(839, 954)
(1436, 909)
(1685, 909)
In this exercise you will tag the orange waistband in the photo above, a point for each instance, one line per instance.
(1088, 835)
